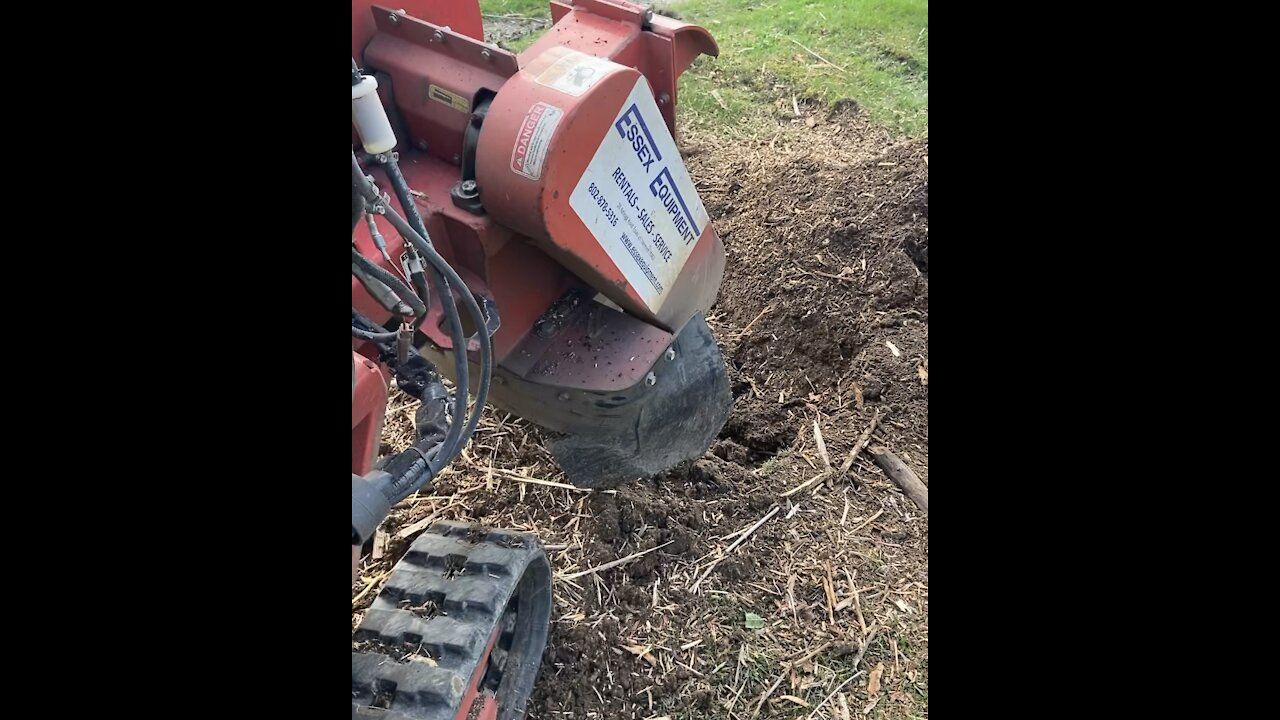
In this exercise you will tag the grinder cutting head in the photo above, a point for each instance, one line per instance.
(553, 183)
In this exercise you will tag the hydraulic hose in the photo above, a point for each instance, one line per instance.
(407, 296)
(480, 321)
(372, 336)
(405, 197)
(448, 304)
(413, 468)
(411, 214)
(453, 441)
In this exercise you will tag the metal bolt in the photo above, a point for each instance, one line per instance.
(488, 56)
(395, 19)
(671, 354)
(648, 15)
(663, 99)
(438, 36)
(468, 186)
(456, 159)
(564, 396)
(422, 145)
(650, 379)
(499, 380)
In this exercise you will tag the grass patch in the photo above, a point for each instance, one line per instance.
(875, 53)
(528, 8)
(770, 466)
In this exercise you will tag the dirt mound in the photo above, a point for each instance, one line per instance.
(823, 318)
(827, 277)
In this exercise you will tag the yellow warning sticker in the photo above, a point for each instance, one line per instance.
(453, 100)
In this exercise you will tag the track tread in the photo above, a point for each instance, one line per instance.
(468, 576)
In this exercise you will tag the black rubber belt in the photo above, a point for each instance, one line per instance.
(467, 576)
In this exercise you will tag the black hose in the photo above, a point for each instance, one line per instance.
(421, 470)
(450, 307)
(372, 336)
(460, 340)
(454, 440)
(357, 208)
(414, 468)
(486, 350)
(405, 197)
(420, 284)
(408, 296)
(401, 188)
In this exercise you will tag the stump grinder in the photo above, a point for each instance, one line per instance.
(523, 225)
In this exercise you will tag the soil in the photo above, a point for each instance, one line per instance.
(823, 317)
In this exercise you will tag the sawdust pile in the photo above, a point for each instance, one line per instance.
(750, 603)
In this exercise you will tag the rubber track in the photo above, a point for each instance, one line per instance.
(466, 584)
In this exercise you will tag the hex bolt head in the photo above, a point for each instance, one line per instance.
(394, 18)
(564, 396)
(469, 186)
(650, 379)
(486, 55)
(438, 36)
(422, 145)
(671, 354)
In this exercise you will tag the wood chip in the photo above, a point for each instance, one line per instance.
(412, 529)
(767, 693)
(902, 476)
(805, 484)
(732, 547)
(802, 47)
(549, 483)
(370, 584)
(615, 563)
(833, 694)
(866, 644)
(873, 680)
(822, 445)
(862, 440)
(868, 521)
(642, 652)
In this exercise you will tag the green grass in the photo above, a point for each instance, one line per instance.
(881, 48)
(498, 10)
(531, 8)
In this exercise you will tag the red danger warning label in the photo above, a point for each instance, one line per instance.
(533, 140)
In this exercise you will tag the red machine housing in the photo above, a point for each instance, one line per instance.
(540, 208)
(561, 357)
(433, 69)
